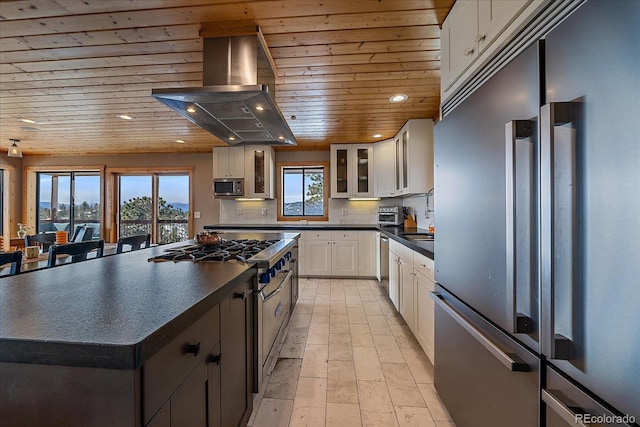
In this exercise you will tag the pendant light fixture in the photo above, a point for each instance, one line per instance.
(14, 150)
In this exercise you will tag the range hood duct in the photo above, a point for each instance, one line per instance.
(234, 103)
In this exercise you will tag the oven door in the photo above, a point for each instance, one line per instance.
(274, 300)
(388, 218)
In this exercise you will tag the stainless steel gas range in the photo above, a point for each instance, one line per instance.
(276, 289)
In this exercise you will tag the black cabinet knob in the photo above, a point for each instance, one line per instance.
(214, 358)
(192, 349)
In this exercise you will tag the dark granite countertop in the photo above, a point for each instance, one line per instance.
(113, 312)
(395, 233)
(423, 247)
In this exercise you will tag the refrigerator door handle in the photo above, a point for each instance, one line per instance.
(554, 345)
(570, 414)
(517, 131)
(509, 360)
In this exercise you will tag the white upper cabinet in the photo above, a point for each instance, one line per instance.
(494, 16)
(459, 33)
(352, 171)
(471, 27)
(259, 169)
(414, 157)
(384, 159)
(404, 164)
(228, 162)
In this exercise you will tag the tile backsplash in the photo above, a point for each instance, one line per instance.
(341, 211)
(422, 213)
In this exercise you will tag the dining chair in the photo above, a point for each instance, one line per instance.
(135, 242)
(82, 233)
(41, 239)
(77, 251)
(15, 258)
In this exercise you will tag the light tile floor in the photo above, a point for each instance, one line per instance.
(349, 359)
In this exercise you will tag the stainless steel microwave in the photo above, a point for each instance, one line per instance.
(228, 187)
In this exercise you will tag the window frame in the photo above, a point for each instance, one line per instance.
(280, 166)
(113, 195)
(73, 221)
(31, 190)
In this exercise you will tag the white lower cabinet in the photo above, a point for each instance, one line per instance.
(410, 281)
(400, 269)
(344, 258)
(348, 253)
(318, 257)
(394, 279)
(407, 287)
(367, 257)
(424, 314)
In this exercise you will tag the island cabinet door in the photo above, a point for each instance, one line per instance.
(188, 405)
(236, 364)
(197, 401)
(180, 365)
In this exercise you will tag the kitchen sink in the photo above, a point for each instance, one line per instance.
(417, 236)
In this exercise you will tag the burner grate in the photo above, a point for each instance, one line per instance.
(227, 250)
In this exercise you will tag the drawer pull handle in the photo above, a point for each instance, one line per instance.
(192, 349)
(239, 295)
(214, 358)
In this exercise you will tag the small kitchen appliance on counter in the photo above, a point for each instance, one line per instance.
(391, 215)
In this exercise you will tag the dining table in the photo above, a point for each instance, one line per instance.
(42, 260)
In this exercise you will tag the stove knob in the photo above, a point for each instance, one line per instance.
(287, 257)
(265, 278)
(278, 265)
(272, 272)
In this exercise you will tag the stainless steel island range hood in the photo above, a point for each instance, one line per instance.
(234, 102)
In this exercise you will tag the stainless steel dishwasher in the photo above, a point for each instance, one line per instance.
(382, 257)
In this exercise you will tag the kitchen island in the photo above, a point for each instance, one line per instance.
(123, 341)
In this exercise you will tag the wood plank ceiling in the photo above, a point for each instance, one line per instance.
(73, 66)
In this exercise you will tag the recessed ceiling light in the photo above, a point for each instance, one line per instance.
(28, 121)
(191, 110)
(232, 138)
(399, 97)
(125, 117)
(179, 141)
(281, 138)
(259, 108)
(377, 135)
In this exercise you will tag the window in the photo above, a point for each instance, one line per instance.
(157, 204)
(303, 191)
(67, 200)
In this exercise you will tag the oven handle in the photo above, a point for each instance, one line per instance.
(264, 297)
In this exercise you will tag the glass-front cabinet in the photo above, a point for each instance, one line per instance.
(352, 171)
(259, 172)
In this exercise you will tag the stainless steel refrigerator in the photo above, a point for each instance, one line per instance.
(537, 254)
